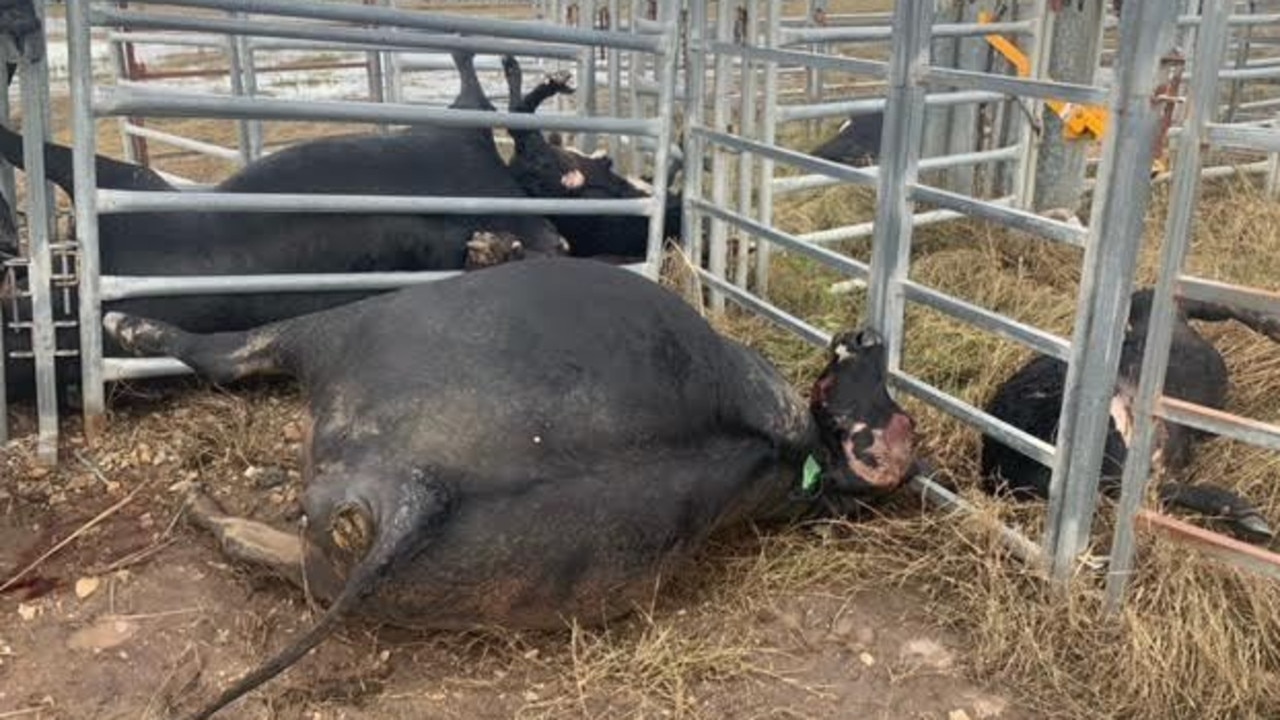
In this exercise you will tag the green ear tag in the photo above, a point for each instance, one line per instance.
(812, 473)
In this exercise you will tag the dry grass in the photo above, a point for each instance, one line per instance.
(1196, 639)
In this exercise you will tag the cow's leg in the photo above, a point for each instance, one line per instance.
(255, 543)
(220, 357)
(1217, 502)
(556, 83)
(470, 96)
(1261, 323)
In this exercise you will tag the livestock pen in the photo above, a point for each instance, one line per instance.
(779, 625)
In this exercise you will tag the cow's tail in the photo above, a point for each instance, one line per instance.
(410, 520)
(220, 357)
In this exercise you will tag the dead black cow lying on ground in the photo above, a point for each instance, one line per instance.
(535, 442)
(1031, 400)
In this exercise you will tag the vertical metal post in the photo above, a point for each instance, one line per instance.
(769, 131)
(1242, 60)
(1076, 54)
(8, 191)
(669, 16)
(1210, 48)
(899, 159)
(1115, 236)
(35, 100)
(812, 75)
(1024, 186)
(237, 49)
(694, 146)
(719, 159)
(80, 79)
(747, 127)
(395, 80)
(635, 74)
(374, 72)
(970, 55)
(937, 120)
(586, 93)
(613, 57)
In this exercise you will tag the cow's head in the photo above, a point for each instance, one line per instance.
(592, 176)
(867, 439)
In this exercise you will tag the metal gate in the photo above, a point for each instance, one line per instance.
(1110, 241)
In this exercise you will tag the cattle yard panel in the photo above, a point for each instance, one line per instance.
(1150, 406)
(1091, 355)
(380, 27)
(36, 264)
(384, 68)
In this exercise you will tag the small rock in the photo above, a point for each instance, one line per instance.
(957, 715)
(989, 707)
(530, 696)
(531, 654)
(38, 471)
(104, 634)
(292, 432)
(928, 653)
(28, 612)
(269, 477)
(86, 586)
(867, 659)
(843, 627)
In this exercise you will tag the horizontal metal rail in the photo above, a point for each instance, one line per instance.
(940, 162)
(1188, 20)
(1025, 443)
(807, 332)
(451, 23)
(132, 201)
(1221, 547)
(1045, 343)
(874, 33)
(1224, 424)
(1246, 298)
(840, 171)
(380, 39)
(865, 229)
(877, 69)
(1013, 218)
(843, 108)
(833, 260)
(117, 369)
(136, 101)
(181, 141)
(1038, 89)
(1260, 139)
(122, 287)
(1017, 543)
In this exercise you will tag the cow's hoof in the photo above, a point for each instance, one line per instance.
(1254, 527)
(559, 80)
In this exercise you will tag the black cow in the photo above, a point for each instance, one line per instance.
(1031, 400)
(550, 169)
(856, 143)
(20, 27)
(427, 161)
(8, 230)
(533, 443)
